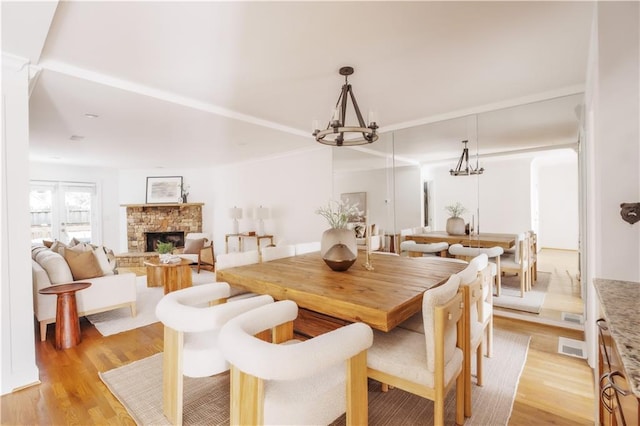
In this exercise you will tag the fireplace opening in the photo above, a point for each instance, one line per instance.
(176, 238)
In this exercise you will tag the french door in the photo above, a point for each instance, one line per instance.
(62, 211)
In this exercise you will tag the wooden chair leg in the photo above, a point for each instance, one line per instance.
(172, 378)
(459, 400)
(479, 364)
(466, 373)
(247, 399)
(489, 336)
(523, 283)
(357, 396)
(498, 277)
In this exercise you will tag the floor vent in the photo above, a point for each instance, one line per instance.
(575, 318)
(571, 347)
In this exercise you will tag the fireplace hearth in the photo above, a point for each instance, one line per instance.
(152, 239)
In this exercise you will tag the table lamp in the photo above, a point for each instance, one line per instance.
(235, 213)
(262, 213)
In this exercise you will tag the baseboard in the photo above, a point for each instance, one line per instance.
(537, 319)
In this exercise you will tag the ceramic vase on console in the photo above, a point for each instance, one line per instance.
(338, 248)
(455, 226)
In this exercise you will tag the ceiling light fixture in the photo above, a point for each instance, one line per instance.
(334, 134)
(90, 115)
(76, 137)
(464, 161)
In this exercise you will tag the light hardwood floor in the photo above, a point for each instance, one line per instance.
(553, 389)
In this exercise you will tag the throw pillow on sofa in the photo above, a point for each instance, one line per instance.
(106, 266)
(56, 267)
(83, 265)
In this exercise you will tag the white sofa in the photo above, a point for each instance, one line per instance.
(107, 292)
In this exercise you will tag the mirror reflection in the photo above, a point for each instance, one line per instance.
(529, 184)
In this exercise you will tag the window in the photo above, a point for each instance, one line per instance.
(62, 211)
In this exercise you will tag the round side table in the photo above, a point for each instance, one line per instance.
(67, 323)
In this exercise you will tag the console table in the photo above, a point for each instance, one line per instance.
(242, 237)
(67, 323)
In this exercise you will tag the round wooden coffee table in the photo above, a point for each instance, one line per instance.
(67, 323)
(172, 276)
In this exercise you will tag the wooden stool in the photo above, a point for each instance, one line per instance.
(67, 324)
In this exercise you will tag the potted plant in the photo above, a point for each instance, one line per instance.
(164, 248)
(455, 223)
(338, 244)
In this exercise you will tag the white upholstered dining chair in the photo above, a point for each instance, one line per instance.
(519, 262)
(427, 364)
(414, 249)
(493, 253)
(284, 381)
(278, 252)
(192, 319)
(231, 260)
(303, 248)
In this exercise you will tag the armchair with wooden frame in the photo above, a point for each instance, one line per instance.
(198, 250)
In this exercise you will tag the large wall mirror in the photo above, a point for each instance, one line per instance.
(530, 178)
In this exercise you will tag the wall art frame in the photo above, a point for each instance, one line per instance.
(356, 197)
(164, 189)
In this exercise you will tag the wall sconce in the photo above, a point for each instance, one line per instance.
(262, 213)
(235, 213)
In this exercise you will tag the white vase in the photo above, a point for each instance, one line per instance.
(455, 226)
(338, 248)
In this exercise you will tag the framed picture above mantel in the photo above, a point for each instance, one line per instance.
(164, 189)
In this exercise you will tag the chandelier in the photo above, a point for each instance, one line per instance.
(334, 134)
(464, 161)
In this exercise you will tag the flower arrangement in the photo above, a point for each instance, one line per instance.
(338, 213)
(455, 210)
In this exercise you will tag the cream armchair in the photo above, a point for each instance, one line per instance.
(290, 382)
(192, 319)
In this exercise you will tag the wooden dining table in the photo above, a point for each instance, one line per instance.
(383, 297)
(485, 240)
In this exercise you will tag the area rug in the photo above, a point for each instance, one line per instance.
(532, 300)
(119, 320)
(138, 386)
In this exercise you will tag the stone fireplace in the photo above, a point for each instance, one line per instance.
(143, 219)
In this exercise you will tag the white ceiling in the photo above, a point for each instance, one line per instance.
(209, 83)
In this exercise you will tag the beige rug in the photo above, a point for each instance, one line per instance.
(531, 302)
(138, 386)
(119, 320)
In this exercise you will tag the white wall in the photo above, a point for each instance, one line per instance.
(292, 187)
(408, 198)
(502, 194)
(616, 152)
(610, 156)
(17, 332)
(558, 201)
(390, 209)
